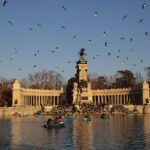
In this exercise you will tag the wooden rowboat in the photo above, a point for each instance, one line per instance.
(86, 119)
(104, 116)
(62, 124)
(68, 117)
(39, 116)
(129, 115)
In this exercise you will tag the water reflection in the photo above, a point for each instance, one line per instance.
(117, 132)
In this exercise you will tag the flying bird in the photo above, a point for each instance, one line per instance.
(39, 26)
(146, 33)
(4, 2)
(74, 36)
(104, 34)
(141, 20)
(90, 41)
(118, 56)
(105, 44)
(125, 16)
(95, 14)
(122, 38)
(123, 62)
(56, 47)
(64, 8)
(53, 51)
(30, 29)
(34, 66)
(10, 22)
(15, 51)
(143, 5)
(131, 39)
(109, 54)
(63, 27)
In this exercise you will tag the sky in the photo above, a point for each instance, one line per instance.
(26, 48)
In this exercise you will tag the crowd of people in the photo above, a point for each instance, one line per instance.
(81, 109)
(87, 108)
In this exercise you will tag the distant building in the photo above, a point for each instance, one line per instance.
(82, 93)
(35, 97)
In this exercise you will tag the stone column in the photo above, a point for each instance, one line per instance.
(120, 99)
(127, 100)
(116, 99)
(145, 93)
(16, 94)
(54, 100)
(124, 99)
(102, 99)
(98, 100)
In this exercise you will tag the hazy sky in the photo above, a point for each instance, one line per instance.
(18, 44)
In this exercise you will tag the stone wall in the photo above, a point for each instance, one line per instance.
(8, 111)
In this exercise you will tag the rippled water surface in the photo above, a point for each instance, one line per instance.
(116, 133)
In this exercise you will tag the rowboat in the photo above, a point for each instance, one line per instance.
(22, 115)
(62, 124)
(68, 117)
(71, 117)
(39, 116)
(129, 115)
(104, 116)
(86, 119)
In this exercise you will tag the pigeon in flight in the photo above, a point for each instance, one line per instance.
(104, 34)
(39, 25)
(4, 2)
(122, 38)
(30, 29)
(105, 44)
(63, 27)
(95, 14)
(141, 20)
(64, 8)
(125, 16)
(131, 39)
(90, 41)
(143, 5)
(10, 22)
(146, 33)
(74, 36)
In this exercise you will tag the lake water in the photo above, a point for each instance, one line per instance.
(116, 133)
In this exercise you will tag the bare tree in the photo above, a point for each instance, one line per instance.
(125, 79)
(138, 79)
(43, 80)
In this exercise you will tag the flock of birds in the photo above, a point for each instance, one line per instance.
(106, 44)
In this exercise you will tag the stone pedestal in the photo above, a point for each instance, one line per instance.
(146, 109)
